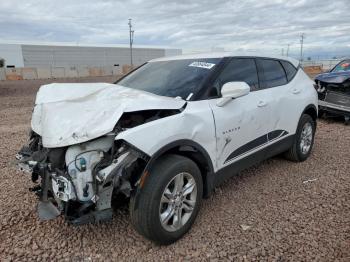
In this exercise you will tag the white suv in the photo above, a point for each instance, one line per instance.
(164, 136)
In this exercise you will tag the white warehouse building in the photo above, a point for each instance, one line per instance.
(43, 55)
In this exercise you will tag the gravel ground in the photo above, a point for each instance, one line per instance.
(269, 212)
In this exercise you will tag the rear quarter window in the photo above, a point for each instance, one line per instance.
(290, 70)
(273, 73)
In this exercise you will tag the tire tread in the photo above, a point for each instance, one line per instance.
(140, 216)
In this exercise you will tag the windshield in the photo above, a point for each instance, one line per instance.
(171, 78)
(343, 66)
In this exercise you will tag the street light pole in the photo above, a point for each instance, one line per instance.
(288, 49)
(301, 46)
(131, 38)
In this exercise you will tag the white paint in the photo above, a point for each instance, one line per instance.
(67, 114)
(233, 90)
(236, 123)
(195, 123)
(239, 122)
(260, 112)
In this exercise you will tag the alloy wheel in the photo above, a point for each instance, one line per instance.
(306, 138)
(178, 202)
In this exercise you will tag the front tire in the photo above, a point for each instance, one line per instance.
(165, 208)
(321, 113)
(303, 141)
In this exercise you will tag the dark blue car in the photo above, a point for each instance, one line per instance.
(334, 91)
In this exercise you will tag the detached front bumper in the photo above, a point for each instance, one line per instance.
(334, 108)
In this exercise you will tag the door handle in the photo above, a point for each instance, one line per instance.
(296, 91)
(262, 104)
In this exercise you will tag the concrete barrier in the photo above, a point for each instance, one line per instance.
(43, 73)
(95, 71)
(126, 69)
(13, 74)
(29, 73)
(2, 74)
(107, 71)
(117, 70)
(59, 72)
(312, 71)
(71, 72)
(83, 71)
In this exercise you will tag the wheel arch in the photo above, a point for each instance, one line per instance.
(191, 150)
(311, 110)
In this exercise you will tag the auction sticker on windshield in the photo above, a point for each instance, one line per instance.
(202, 65)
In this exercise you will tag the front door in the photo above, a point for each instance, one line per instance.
(242, 124)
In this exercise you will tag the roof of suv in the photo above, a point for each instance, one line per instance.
(225, 54)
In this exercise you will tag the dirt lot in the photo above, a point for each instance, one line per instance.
(269, 212)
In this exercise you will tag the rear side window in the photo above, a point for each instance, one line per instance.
(240, 69)
(273, 72)
(290, 70)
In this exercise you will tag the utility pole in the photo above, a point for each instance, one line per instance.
(301, 46)
(131, 35)
(288, 50)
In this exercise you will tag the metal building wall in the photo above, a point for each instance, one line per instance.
(12, 54)
(68, 56)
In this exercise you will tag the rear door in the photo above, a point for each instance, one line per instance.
(283, 96)
(243, 123)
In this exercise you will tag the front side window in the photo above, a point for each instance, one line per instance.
(239, 70)
(173, 78)
(274, 74)
(342, 66)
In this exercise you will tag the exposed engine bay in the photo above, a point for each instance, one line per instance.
(79, 181)
(333, 90)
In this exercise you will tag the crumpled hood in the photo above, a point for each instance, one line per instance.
(67, 114)
(334, 77)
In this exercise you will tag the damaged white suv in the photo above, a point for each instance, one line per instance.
(164, 136)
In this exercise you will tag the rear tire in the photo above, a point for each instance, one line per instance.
(165, 208)
(303, 140)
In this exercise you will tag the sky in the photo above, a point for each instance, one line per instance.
(197, 25)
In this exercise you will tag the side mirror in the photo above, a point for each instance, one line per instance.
(232, 90)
